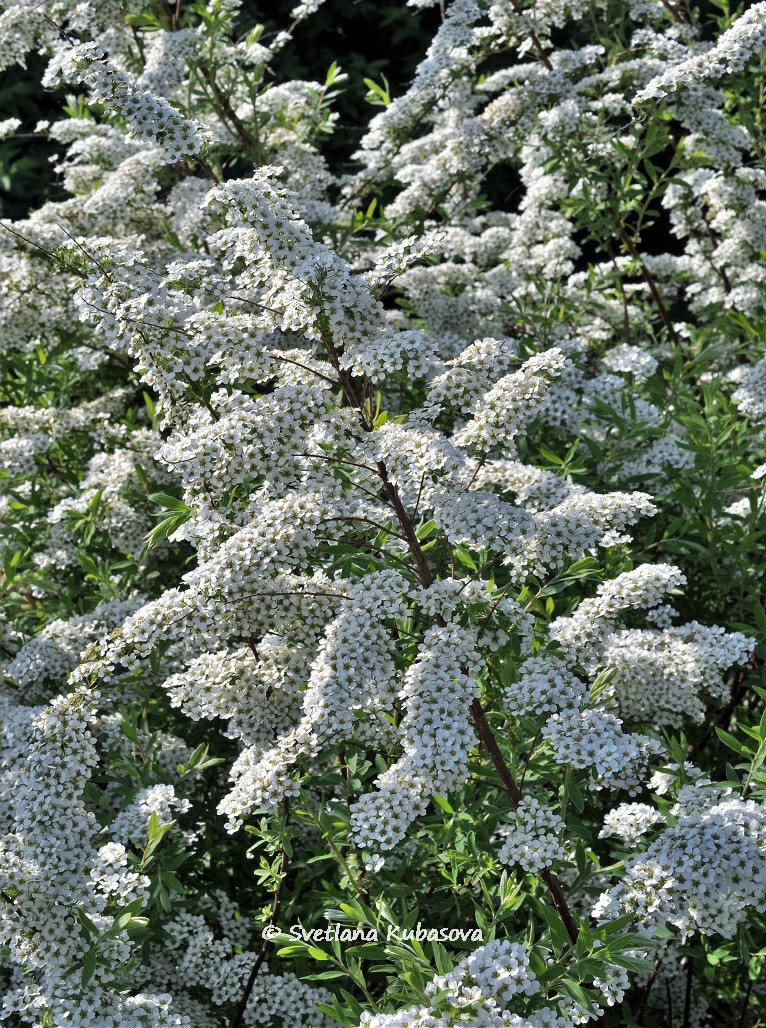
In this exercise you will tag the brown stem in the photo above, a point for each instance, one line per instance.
(265, 947)
(48, 253)
(745, 1004)
(535, 40)
(672, 10)
(490, 744)
(426, 579)
(688, 992)
(646, 990)
(512, 791)
(721, 272)
(424, 572)
(226, 108)
(654, 289)
(723, 275)
(560, 903)
(352, 518)
(526, 762)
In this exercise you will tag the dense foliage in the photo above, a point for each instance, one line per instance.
(383, 489)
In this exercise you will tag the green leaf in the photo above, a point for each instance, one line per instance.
(169, 502)
(318, 954)
(443, 803)
(732, 743)
(578, 994)
(88, 966)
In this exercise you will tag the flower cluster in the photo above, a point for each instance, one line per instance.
(534, 842)
(680, 879)
(381, 521)
(150, 118)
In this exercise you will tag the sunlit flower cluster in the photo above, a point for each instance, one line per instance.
(379, 533)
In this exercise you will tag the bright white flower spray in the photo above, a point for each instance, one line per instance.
(382, 522)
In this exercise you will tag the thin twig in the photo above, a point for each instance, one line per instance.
(265, 946)
(654, 289)
(688, 992)
(426, 577)
(743, 1015)
(226, 108)
(646, 990)
(539, 49)
(512, 790)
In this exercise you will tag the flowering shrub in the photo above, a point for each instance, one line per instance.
(383, 621)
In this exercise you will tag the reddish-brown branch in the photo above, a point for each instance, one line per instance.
(513, 792)
(539, 48)
(654, 289)
(646, 990)
(265, 946)
(426, 578)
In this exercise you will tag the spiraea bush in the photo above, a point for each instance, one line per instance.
(383, 534)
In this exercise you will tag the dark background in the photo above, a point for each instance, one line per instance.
(365, 38)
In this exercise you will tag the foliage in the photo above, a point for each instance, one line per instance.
(382, 482)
